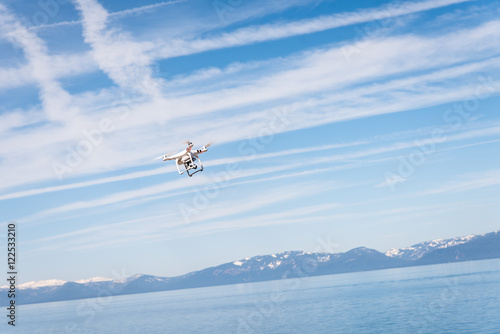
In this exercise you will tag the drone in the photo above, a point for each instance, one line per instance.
(187, 158)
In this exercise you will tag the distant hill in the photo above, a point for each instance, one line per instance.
(291, 264)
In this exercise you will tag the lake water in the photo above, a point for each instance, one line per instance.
(449, 298)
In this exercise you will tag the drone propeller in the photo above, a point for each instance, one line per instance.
(189, 141)
(163, 156)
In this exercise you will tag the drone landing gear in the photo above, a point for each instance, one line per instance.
(190, 165)
(194, 167)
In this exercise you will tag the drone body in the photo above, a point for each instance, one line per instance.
(187, 158)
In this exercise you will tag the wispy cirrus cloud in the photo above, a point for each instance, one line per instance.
(268, 32)
(171, 169)
(177, 188)
(173, 48)
(115, 51)
(61, 66)
(336, 91)
(118, 14)
(55, 100)
(468, 182)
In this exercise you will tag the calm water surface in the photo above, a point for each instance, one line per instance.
(450, 298)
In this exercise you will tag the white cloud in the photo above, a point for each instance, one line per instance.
(155, 192)
(474, 181)
(61, 66)
(115, 51)
(316, 87)
(170, 169)
(146, 8)
(55, 100)
(220, 210)
(256, 34)
(77, 185)
(114, 42)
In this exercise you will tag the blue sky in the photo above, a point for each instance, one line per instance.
(335, 123)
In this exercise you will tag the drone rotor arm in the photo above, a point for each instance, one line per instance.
(203, 149)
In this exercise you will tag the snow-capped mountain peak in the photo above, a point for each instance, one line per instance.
(93, 280)
(416, 251)
(38, 284)
(55, 283)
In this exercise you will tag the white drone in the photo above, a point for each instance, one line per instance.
(187, 158)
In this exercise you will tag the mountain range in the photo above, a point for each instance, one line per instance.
(290, 264)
